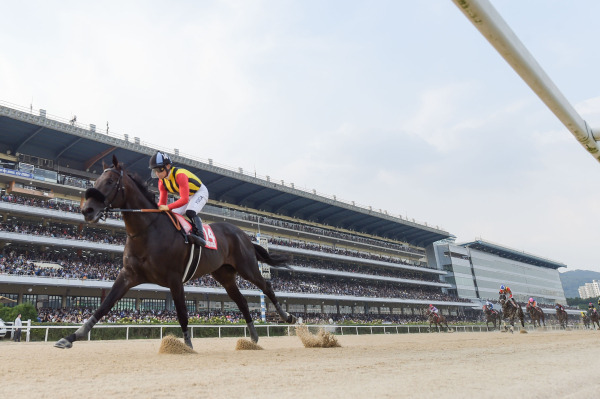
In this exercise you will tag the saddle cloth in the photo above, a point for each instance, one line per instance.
(209, 236)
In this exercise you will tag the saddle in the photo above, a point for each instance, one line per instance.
(185, 227)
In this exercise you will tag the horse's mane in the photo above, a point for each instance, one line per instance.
(141, 184)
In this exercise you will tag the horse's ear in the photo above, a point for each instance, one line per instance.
(103, 165)
(115, 161)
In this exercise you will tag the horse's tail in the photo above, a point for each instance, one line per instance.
(274, 260)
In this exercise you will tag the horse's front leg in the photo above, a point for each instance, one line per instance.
(122, 284)
(182, 313)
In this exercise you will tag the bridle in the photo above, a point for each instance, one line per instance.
(97, 194)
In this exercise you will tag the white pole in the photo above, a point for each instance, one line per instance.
(263, 305)
(490, 24)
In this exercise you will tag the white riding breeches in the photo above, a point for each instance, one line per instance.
(196, 203)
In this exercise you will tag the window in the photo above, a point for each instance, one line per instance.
(153, 304)
(125, 304)
(14, 297)
(83, 302)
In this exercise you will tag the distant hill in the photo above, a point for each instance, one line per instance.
(573, 279)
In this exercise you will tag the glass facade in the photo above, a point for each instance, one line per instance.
(479, 275)
(524, 280)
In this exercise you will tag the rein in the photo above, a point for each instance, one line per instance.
(174, 220)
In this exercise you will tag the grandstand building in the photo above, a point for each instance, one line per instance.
(477, 269)
(348, 261)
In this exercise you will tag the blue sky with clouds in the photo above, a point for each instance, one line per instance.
(399, 105)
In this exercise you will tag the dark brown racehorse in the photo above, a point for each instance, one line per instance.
(537, 315)
(437, 319)
(562, 317)
(594, 318)
(492, 316)
(586, 320)
(156, 253)
(511, 310)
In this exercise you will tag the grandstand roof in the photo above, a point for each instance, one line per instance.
(81, 150)
(512, 254)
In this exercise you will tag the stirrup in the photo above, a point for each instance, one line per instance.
(199, 240)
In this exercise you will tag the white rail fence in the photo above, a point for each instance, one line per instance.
(221, 331)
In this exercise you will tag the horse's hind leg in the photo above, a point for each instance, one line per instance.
(178, 294)
(253, 275)
(225, 275)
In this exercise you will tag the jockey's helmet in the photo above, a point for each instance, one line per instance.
(591, 304)
(159, 160)
(502, 287)
(430, 305)
(530, 299)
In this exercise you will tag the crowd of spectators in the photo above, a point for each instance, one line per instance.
(70, 232)
(65, 206)
(67, 266)
(361, 269)
(338, 251)
(98, 268)
(329, 233)
(64, 231)
(80, 315)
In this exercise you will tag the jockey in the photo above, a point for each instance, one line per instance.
(433, 309)
(193, 195)
(489, 305)
(560, 307)
(509, 296)
(591, 309)
(532, 303)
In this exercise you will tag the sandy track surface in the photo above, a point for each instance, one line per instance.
(540, 365)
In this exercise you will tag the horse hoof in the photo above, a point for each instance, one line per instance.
(188, 342)
(63, 344)
(291, 319)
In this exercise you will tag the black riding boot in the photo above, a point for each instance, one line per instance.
(197, 229)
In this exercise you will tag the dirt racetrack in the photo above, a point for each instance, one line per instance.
(471, 365)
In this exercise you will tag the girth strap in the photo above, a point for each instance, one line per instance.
(193, 262)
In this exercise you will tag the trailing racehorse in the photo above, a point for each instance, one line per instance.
(437, 319)
(511, 310)
(562, 317)
(492, 316)
(586, 320)
(537, 315)
(156, 253)
(595, 319)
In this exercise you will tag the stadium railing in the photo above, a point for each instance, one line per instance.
(158, 331)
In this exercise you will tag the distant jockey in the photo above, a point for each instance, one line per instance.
(509, 296)
(591, 309)
(489, 305)
(532, 303)
(433, 309)
(560, 307)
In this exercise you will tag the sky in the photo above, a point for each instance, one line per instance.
(399, 105)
